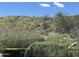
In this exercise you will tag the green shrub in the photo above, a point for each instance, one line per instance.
(59, 38)
(48, 49)
(16, 39)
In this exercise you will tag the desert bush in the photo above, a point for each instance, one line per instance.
(64, 23)
(48, 49)
(16, 39)
(58, 38)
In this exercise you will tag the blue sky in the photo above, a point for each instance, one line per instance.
(34, 8)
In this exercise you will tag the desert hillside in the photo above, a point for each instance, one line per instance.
(41, 35)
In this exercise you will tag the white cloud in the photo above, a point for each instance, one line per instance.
(44, 5)
(58, 4)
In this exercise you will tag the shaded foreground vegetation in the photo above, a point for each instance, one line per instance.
(42, 36)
